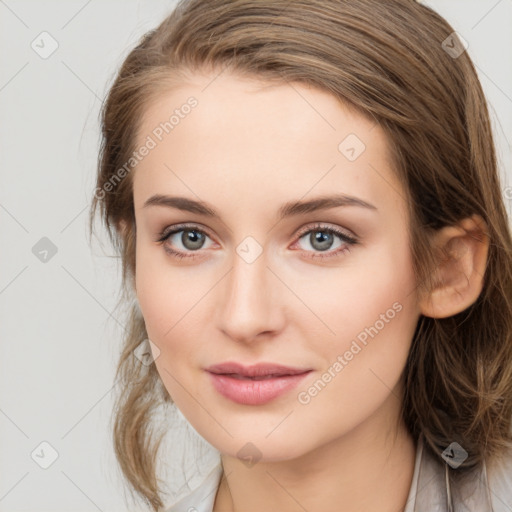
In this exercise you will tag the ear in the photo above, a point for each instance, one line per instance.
(459, 276)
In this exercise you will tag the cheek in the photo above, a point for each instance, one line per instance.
(373, 318)
(166, 303)
(368, 291)
(361, 371)
(172, 302)
(371, 312)
(165, 294)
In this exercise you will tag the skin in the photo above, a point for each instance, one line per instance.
(246, 149)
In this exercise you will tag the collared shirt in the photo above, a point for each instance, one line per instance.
(432, 489)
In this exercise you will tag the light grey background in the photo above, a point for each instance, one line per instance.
(59, 338)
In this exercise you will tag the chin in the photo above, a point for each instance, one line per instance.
(256, 444)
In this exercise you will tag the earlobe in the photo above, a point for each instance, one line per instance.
(459, 276)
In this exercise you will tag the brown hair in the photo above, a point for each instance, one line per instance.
(388, 60)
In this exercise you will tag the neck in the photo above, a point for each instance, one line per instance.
(369, 468)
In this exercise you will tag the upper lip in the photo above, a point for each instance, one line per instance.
(256, 370)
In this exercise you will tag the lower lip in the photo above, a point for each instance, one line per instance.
(254, 392)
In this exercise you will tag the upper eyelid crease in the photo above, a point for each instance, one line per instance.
(287, 210)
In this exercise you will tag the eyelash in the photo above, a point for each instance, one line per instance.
(348, 240)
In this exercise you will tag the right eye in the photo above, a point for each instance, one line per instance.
(178, 240)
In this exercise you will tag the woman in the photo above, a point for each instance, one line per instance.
(306, 201)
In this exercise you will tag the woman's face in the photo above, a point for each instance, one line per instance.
(259, 279)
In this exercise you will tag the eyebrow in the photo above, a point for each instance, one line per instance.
(287, 210)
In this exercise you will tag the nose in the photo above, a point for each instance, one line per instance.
(249, 306)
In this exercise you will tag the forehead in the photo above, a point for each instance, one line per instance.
(260, 137)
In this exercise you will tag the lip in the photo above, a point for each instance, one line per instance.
(256, 384)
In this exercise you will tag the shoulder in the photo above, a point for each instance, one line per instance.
(499, 477)
(437, 487)
(202, 498)
(487, 489)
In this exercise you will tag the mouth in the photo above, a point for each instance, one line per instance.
(247, 377)
(257, 384)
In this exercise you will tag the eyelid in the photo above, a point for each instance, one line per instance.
(166, 232)
(318, 226)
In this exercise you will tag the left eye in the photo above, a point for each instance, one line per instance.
(322, 239)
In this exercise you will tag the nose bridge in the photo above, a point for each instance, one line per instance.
(247, 305)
